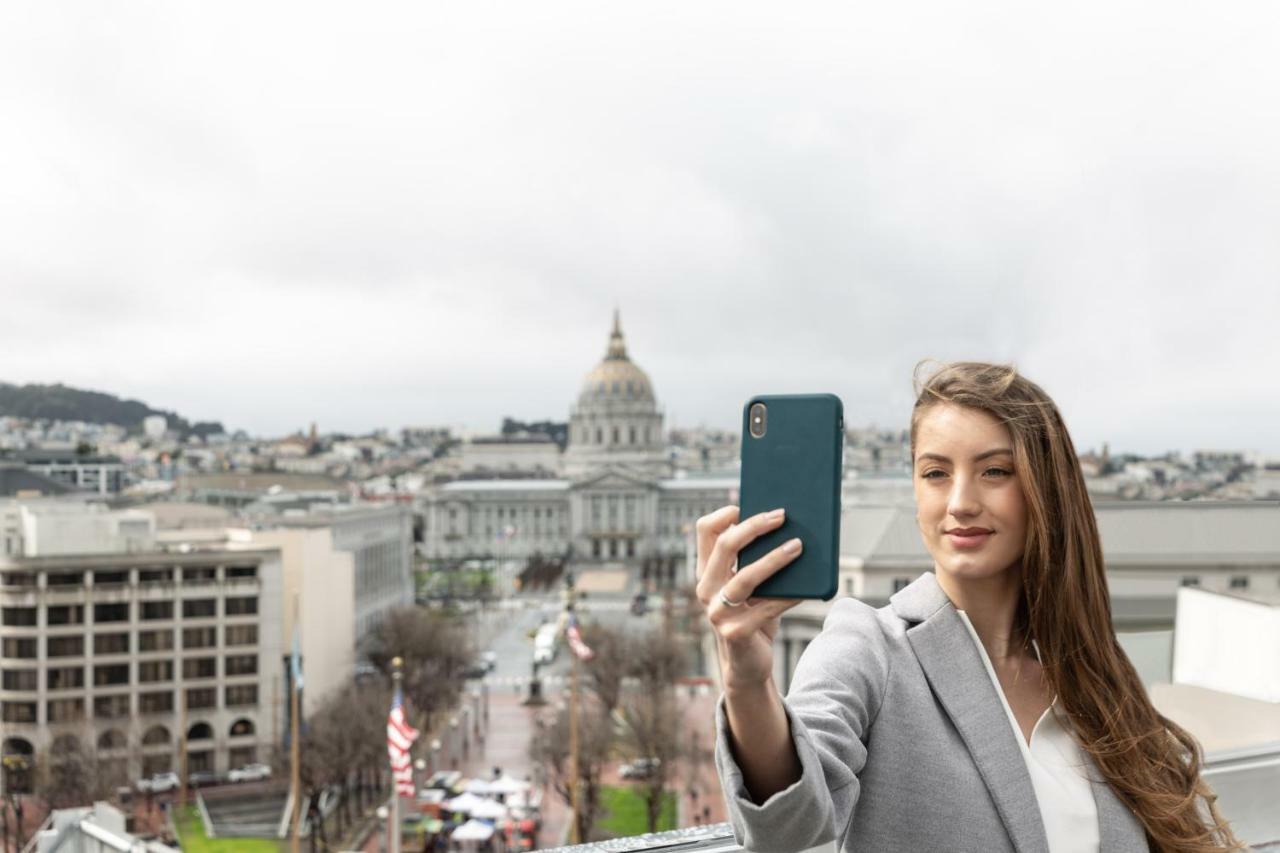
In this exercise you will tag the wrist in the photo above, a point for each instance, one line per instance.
(738, 691)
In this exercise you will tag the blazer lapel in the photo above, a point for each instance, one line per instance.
(1118, 830)
(959, 679)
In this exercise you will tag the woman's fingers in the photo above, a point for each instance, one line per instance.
(724, 553)
(709, 527)
(742, 585)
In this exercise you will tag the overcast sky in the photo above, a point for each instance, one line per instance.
(373, 215)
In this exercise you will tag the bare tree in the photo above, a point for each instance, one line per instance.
(345, 742)
(72, 773)
(435, 648)
(651, 714)
(550, 750)
(603, 674)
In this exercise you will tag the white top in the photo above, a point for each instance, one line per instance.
(1057, 766)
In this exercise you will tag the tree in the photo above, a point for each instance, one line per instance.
(651, 714)
(345, 741)
(435, 648)
(72, 773)
(549, 749)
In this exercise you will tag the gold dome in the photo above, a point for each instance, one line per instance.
(617, 377)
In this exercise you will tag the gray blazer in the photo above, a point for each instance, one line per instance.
(903, 743)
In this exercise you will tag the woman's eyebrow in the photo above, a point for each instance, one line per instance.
(995, 451)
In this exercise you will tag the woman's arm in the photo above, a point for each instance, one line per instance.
(760, 737)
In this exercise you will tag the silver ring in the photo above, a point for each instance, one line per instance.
(724, 599)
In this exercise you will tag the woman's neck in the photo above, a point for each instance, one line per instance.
(991, 604)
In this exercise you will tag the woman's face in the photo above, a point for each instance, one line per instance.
(965, 484)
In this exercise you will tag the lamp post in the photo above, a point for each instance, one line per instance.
(421, 777)
(435, 755)
(383, 814)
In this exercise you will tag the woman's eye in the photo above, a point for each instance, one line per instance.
(1000, 471)
(926, 474)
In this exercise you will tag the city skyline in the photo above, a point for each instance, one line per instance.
(427, 216)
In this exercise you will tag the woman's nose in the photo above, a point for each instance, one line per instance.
(963, 501)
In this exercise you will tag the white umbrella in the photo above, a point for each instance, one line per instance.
(478, 786)
(489, 810)
(464, 802)
(505, 784)
(472, 830)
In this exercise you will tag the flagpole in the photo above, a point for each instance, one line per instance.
(573, 726)
(396, 675)
(295, 763)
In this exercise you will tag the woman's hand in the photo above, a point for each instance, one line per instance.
(744, 626)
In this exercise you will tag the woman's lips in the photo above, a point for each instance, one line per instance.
(974, 540)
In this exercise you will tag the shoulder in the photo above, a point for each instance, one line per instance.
(854, 647)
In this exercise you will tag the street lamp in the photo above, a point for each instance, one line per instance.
(383, 813)
(421, 766)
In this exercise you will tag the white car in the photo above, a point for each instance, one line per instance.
(250, 773)
(159, 783)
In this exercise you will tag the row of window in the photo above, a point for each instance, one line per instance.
(586, 433)
(112, 675)
(25, 648)
(117, 707)
(1236, 582)
(74, 614)
(120, 577)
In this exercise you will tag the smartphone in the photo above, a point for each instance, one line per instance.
(793, 458)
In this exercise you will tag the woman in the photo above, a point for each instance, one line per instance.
(988, 706)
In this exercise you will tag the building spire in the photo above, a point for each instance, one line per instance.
(617, 348)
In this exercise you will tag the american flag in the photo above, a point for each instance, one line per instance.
(400, 736)
(581, 649)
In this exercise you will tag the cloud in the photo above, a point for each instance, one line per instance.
(420, 213)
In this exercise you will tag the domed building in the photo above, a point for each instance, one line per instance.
(617, 501)
(616, 421)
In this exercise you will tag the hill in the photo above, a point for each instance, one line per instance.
(62, 403)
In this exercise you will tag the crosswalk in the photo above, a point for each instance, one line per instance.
(522, 681)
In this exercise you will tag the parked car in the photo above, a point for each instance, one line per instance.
(476, 669)
(203, 778)
(159, 783)
(641, 768)
(250, 773)
(640, 604)
(490, 660)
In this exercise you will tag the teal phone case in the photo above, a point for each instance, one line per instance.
(796, 465)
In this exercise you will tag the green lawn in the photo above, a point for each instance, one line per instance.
(623, 812)
(191, 835)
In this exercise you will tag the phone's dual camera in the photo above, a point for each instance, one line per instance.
(758, 422)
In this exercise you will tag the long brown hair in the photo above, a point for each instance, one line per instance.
(1151, 763)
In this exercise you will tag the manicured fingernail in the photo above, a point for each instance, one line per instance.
(792, 546)
(777, 514)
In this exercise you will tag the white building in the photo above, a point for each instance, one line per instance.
(119, 650)
(617, 500)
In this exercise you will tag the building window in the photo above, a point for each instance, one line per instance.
(199, 638)
(64, 579)
(156, 703)
(901, 583)
(632, 433)
(1240, 582)
(118, 612)
(1189, 580)
(200, 668)
(202, 697)
(155, 641)
(242, 755)
(242, 694)
(599, 435)
(17, 579)
(200, 608)
(154, 610)
(242, 635)
(155, 670)
(242, 606)
(111, 707)
(19, 712)
(19, 648)
(199, 575)
(65, 710)
(110, 578)
(110, 644)
(66, 647)
(155, 576)
(112, 674)
(19, 679)
(242, 665)
(19, 617)
(241, 572)
(71, 614)
(614, 432)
